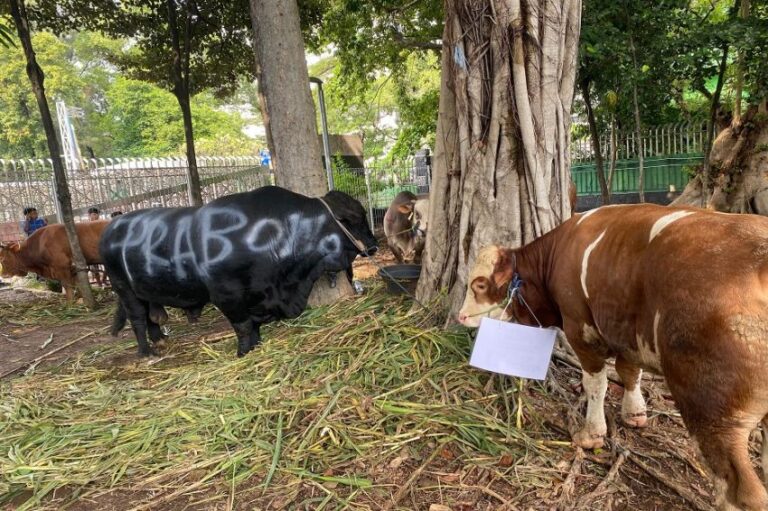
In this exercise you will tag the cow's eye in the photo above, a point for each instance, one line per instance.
(480, 286)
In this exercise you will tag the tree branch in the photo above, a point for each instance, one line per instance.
(712, 6)
(699, 86)
(402, 8)
(409, 42)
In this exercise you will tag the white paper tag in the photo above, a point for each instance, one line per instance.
(512, 349)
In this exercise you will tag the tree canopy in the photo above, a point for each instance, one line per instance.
(123, 116)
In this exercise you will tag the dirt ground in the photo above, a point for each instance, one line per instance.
(34, 323)
(651, 469)
(29, 328)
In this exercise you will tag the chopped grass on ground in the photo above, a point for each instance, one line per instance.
(331, 400)
(361, 405)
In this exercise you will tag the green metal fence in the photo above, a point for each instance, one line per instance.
(661, 173)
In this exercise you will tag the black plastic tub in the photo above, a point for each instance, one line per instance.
(407, 275)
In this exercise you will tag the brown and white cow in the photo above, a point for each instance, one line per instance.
(405, 225)
(47, 253)
(680, 292)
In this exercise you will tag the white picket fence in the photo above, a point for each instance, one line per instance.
(123, 184)
(672, 139)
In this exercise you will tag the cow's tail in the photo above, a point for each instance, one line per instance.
(121, 316)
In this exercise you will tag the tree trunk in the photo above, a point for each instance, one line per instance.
(605, 191)
(613, 151)
(263, 103)
(739, 85)
(639, 147)
(738, 160)
(180, 72)
(705, 176)
(501, 167)
(288, 113)
(289, 107)
(638, 127)
(37, 79)
(193, 177)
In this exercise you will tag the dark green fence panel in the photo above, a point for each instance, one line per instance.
(660, 173)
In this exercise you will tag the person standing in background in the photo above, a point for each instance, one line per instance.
(31, 221)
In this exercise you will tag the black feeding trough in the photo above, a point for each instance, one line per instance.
(406, 275)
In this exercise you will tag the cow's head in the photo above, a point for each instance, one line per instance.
(351, 214)
(418, 215)
(487, 287)
(9, 263)
(489, 291)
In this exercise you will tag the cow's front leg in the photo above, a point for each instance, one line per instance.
(69, 292)
(243, 327)
(633, 411)
(156, 334)
(255, 338)
(397, 252)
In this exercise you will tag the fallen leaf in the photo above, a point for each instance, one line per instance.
(397, 462)
(446, 453)
(449, 478)
(506, 460)
(439, 507)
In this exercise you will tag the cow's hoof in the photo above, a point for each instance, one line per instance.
(150, 352)
(588, 440)
(635, 420)
(160, 343)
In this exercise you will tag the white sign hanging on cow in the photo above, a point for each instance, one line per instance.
(512, 349)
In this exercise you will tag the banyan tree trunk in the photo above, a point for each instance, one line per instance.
(501, 167)
(736, 182)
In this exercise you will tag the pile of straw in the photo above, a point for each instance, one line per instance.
(327, 398)
(344, 407)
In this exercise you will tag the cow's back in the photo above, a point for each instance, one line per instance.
(163, 270)
(634, 270)
(50, 245)
(185, 257)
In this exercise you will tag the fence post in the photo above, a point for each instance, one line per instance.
(56, 205)
(370, 198)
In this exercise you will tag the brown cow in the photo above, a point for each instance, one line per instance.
(48, 254)
(405, 225)
(680, 292)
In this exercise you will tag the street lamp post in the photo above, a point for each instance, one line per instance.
(324, 121)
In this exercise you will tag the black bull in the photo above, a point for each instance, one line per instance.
(254, 255)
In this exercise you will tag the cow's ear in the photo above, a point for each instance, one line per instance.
(406, 208)
(502, 271)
